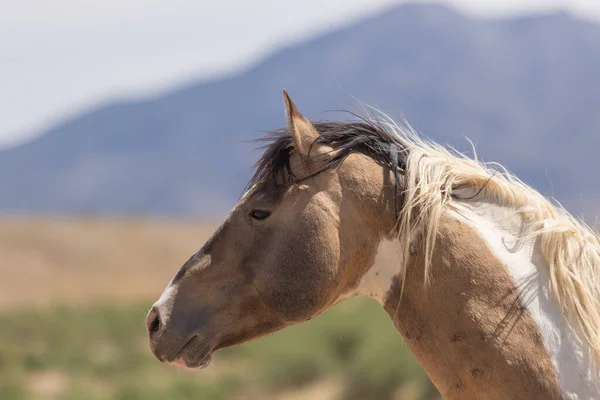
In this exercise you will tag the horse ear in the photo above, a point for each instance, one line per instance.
(302, 131)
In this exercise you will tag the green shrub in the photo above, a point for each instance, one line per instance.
(103, 351)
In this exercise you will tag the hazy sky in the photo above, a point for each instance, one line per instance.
(59, 57)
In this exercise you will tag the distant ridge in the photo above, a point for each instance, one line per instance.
(526, 90)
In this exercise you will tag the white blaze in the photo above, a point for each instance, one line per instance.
(165, 303)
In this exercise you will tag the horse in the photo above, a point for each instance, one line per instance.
(493, 287)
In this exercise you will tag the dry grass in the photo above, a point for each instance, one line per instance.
(108, 271)
(45, 261)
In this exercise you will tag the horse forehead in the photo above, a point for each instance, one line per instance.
(248, 193)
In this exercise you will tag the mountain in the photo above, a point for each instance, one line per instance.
(525, 90)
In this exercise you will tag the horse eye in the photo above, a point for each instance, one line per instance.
(260, 214)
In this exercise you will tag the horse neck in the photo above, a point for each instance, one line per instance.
(475, 328)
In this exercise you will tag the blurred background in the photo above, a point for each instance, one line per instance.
(124, 130)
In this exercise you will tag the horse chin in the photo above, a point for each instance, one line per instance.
(193, 363)
(196, 354)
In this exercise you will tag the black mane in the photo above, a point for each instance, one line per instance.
(369, 137)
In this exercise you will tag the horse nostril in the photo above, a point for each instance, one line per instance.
(153, 322)
(155, 325)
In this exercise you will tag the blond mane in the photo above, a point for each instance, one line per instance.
(432, 176)
(570, 248)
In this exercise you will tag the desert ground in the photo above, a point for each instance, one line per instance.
(74, 293)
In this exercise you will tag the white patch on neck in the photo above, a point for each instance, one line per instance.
(571, 356)
(377, 282)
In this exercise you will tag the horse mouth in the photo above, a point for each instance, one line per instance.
(195, 354)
